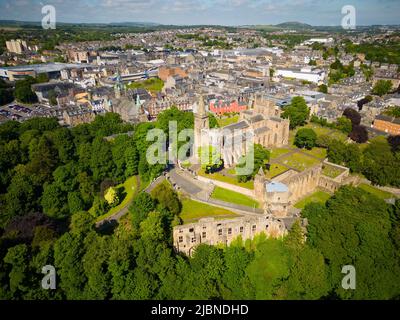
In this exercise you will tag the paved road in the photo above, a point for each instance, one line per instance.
(188, 186)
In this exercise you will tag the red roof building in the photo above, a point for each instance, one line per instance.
(221, 107)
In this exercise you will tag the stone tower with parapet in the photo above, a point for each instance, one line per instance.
(201, 123)
(259, 186)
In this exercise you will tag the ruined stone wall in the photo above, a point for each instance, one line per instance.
(303, 183)
(213, 232)
(328, 184)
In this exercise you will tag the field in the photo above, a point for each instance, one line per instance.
(233, 197)
(275, 170)
(223, 122)
(277, 152)
(232, 180)
(316, 152)
(319, 130)
(129, 187)
(319, 196)
(152, 85)
(331, 171)
(194, 210)
(375, 191)
(299, 161)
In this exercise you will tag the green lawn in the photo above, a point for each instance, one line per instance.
(299, 161)
(377, 192)
(275, 170)
(232, 180)
(277, 152)
(233, 197)
(316, 152)
(227, 121)
(194, 210)
(319, 130)
(129, 188)
(319, 196)
(153, 85)
(331, 171)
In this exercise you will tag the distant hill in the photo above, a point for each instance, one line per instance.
(294, 25)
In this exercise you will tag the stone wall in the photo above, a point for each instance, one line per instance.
(303, 183)
(212, 232)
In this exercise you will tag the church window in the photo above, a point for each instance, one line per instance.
(230, 231)
(241, 229)
(180, 239)
(204, 235)
(220, 232)
(253, 228)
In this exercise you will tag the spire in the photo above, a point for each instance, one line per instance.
(201, 108)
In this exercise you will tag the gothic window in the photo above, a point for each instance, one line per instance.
(230, 231)
(191, 230)
(180, 239)
(204, 235)
(241, 229)
(220, 232)
(253, 228)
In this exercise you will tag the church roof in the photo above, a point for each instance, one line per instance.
(237, 125)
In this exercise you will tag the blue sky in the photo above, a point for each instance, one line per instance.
(222, 12)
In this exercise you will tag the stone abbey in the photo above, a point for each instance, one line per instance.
(276, 196)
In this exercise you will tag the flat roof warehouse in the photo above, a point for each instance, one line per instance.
(18, 72)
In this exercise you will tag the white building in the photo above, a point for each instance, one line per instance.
(306, 73)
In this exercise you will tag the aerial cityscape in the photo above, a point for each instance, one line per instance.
(199, 150)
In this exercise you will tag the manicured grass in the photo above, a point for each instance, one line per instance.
(299, 161)
(331, 171)
(316, 152)
(233, 197)
(275, 170)
(277, 152)
(129, 188)
(232, 180)
(223, 122)
(377, 192)
(186, 164)
(319, 196)
(319, 130)
(153, 85)
(194, 210)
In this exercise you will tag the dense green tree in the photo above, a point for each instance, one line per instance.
(382, 87)
(68, 254)
(101, 161)
(305, 138)
(141, 206)
(167, 197)
(23, 91)
(297, 112)
(323, 88)
(344, 124)
(352, 229)
(54, 201)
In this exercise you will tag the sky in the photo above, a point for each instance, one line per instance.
(192, 12)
